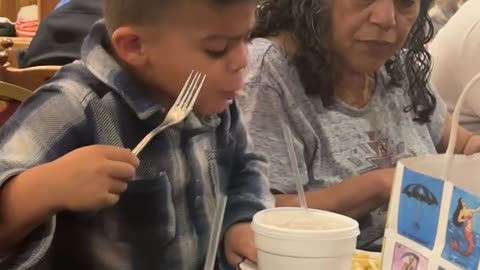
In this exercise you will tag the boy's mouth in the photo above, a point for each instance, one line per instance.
(233, 94)
(240, 93)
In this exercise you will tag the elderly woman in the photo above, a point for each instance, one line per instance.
(350, 79)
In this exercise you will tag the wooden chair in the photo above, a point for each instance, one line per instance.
(13, 46)
(45, 7)
(29, 78)
(10, 8)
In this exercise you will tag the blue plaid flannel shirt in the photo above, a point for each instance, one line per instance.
(163, 219)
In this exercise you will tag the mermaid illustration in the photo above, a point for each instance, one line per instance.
(462, 217)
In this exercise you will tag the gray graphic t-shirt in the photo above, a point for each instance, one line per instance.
(331, 144)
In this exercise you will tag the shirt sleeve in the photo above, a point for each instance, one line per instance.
(437, 121)
(265, 113)
(470, 57)
(44, 128)
(248, 189)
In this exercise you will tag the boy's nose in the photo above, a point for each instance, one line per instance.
(383, 14)
(239, 58)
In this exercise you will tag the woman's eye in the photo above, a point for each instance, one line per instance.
(406, 3)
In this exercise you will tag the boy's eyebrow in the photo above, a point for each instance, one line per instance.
(229, 37)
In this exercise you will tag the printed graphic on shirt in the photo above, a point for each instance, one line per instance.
(379, 152)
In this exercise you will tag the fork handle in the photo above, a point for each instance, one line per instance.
(136, 151)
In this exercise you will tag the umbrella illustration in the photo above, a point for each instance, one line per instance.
(421, 194)
(412, 262)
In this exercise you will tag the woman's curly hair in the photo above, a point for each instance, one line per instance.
(309, 22)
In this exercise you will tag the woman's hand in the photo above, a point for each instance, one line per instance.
(467, 143)
(472, 146)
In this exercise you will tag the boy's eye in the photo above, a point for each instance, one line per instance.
(216, 53)
(248, 38)
(365, 3)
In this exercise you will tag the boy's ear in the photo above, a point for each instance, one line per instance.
(128, 46)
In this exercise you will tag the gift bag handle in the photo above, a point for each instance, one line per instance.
(455, 116)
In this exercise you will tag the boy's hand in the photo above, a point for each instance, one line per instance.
(92, 177)
(239, 244)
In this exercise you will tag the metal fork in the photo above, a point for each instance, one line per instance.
(180, 109)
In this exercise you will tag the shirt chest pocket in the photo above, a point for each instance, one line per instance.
(145, 216)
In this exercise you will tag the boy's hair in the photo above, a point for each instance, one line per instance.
(118, 13)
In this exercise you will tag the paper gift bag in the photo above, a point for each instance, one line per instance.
(434, 214)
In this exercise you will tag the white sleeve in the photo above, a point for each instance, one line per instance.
(470, 58)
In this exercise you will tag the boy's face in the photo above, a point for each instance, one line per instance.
(203, 37)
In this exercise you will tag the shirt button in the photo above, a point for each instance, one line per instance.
(198, 201)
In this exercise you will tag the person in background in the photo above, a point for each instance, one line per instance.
(456, 60)
(442, 11)
(350, 79)
(61, 34)
(74, 196)
(7, 28)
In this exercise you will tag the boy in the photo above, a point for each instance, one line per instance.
(64, 158)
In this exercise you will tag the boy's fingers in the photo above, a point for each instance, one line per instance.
(119, 154)
(246, 246)
(118, 187)
(241, 251)
(250, 251)
(121, 170)
(233, 258)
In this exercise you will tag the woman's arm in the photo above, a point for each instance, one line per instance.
(467, 143)
(355, 197)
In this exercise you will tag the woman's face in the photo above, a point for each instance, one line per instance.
(366, 33)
